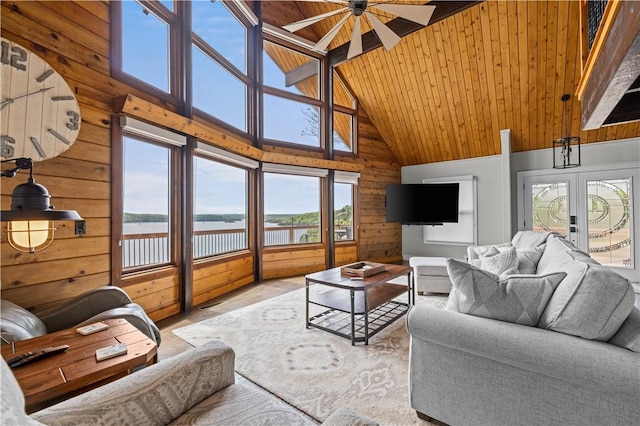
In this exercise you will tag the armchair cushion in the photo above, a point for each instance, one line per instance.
(18, 323)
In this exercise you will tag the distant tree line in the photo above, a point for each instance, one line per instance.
(343, 216)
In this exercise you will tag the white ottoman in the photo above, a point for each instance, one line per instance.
(430, 274)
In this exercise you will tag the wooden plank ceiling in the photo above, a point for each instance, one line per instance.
(445, 91)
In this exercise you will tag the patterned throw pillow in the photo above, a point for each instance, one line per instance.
(519, 299)
(501, 261)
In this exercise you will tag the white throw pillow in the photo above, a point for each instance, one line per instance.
(498, 260)
(520, 299)
(528, 259)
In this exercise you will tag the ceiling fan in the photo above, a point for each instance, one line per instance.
(418, 13)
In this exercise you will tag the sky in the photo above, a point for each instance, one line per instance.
(222, 95)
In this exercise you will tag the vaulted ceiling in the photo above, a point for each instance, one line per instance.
(445, 91)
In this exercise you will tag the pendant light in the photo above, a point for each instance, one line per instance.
(566, 150)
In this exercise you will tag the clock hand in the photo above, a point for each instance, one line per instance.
(11, 100)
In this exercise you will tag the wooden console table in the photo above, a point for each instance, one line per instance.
(61, 376)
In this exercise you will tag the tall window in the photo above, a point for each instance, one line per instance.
(343, 213)
(219, 54)
(146, 204)
(220, 208)
(150, 160)
(291, 209)
(291, 96)
(344, 116)
(145, 43)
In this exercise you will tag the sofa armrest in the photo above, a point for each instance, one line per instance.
(534, 349)
(155, 395)
(80, 308)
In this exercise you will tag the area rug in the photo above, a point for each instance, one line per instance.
(313, 370)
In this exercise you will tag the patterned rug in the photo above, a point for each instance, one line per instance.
(313, 370)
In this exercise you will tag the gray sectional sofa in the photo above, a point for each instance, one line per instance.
(556, 345)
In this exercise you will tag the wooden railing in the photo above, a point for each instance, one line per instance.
(153, 248)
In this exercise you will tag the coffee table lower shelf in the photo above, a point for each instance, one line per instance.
(356, 328)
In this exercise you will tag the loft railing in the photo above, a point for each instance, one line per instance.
(153, 248)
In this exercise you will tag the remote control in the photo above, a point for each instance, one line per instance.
(92, 328)
(33, 356)
(111, 351)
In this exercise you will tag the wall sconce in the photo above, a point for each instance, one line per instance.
(31, 219)
(566, 150)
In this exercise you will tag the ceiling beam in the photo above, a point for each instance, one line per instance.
(402, 27)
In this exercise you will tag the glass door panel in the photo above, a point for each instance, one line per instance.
(550, 209)
(596, 210)
(549, 203)
(609, 221)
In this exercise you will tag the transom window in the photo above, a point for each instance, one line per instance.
(145, 44)
(219, 62)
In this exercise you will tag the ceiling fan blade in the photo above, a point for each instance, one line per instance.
(295, 26)
(386, 36)
(418, 13)
(323, 43)
(355, 47)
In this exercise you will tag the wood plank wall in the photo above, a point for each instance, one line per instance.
(74, 38)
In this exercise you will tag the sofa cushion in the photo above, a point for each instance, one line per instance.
(519, 299)
(523, 239)
(592, 302)
(628, 336)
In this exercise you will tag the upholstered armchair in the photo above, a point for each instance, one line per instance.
(17, 323)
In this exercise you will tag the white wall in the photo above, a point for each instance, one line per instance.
(488, 172)
(490, 185)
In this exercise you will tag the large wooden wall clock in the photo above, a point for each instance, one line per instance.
(39, 111)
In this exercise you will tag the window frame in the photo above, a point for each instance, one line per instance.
(287, 170)
(273, 91)
(119, 133)
(173, 21)
(203, 153)
(247, 79)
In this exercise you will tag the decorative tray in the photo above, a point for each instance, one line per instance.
(362, 269)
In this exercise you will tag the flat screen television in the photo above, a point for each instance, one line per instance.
(422, 203)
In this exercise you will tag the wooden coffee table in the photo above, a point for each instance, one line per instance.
(358, 309)
(60, 376)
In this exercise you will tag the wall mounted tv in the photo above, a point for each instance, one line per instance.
(422, 203)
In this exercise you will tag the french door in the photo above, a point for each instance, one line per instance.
(596, 209)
